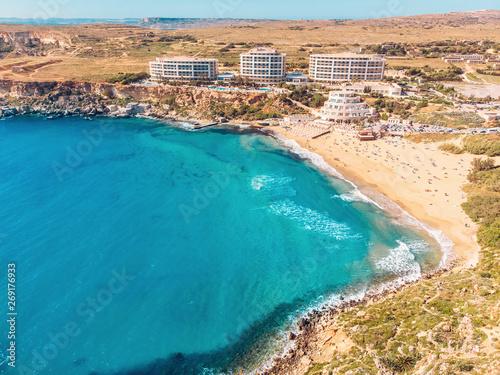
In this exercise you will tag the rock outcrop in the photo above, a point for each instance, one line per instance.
(88, 98)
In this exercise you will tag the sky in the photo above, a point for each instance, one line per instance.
(274, 9)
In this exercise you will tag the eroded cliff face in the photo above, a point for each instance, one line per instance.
(184, 95)
(89, 98)
(33, 42)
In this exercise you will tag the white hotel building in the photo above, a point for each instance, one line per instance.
(264, 66)
(342, 67)
(183, 68)
(344, 107)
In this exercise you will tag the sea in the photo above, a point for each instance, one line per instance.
(145, 247)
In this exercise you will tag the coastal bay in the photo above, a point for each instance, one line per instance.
(356, 242)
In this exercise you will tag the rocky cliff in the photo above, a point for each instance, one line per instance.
(88, 98)
(32, 42)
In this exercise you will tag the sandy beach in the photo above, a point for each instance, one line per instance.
(421, 179)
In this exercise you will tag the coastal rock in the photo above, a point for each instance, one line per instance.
(87, 98)
(302, 323)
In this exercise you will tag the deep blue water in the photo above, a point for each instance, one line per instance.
(159, 249)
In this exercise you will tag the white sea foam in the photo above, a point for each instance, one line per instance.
(355, 196)
(401, 262)
(311, 220)
(273, 185)
(419, 247)
(314, 158)
(184, 125)
(402, 217)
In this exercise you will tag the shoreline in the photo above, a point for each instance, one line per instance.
(311, 327)
(311, 323)
(354, 168)
(396, 181)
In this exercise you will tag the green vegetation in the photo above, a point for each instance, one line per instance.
(396, 107)
(316, 369)
(400, 362)
(431, 137)
(304, 95)
(451, 148)
(490, 72)
(5, 47)
(451, 73)
(108, 93)
(449, 119)
(473, 77)
(483, 144)
(480, 144)
(395, 50)
(432, 326)
(269, 108)
(484, 206)
(128, 78)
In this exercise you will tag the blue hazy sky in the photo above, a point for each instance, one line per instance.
(276, 9)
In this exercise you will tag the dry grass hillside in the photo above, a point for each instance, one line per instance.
(97, 52)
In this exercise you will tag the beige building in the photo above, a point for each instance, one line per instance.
(384, 89)
(264, 66)
(472, 59)
(344, 106)
(183, 68)
(342, 67)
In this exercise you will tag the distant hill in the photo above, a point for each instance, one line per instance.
(453, 19)
(194, 23)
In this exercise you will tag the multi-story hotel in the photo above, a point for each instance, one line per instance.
(263, 65)
(341, 67)
(183, 68)
(344, 106)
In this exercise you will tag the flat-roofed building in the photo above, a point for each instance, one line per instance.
(343, 67)
(183, 68)
(226, 77)
(366, 135)
(384, 89)
(493, 59)
(297, 78)
(456, 58)
(262, 65)
(343, 106)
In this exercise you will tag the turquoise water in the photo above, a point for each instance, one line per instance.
(141, 247)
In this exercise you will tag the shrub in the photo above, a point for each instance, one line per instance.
(482, 207)
(451, 148)
(478, 145)
(400, 362)
(465, 366)
(128, 78)
(480, 165)
(108, 93)
(489, 235)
